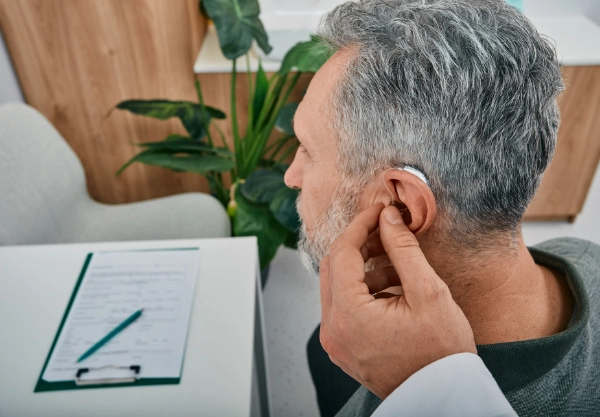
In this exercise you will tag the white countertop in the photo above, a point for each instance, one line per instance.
(577, 41)
(37, 281)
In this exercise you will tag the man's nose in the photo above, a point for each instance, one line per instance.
(293, 175)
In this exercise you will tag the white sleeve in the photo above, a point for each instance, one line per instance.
(456, 386)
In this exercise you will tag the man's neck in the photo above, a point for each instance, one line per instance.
(504, 294)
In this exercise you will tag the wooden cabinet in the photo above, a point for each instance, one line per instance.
(76, 59)
(566, 182)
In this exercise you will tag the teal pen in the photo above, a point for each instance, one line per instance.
(112, 334)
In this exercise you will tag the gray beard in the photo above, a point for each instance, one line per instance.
(313, 245)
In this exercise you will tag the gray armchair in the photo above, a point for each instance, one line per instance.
(44, 199)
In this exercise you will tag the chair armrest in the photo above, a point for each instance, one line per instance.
(182, 216)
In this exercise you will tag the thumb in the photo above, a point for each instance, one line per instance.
(418, 278)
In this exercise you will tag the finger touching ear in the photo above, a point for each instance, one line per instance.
(413, 197)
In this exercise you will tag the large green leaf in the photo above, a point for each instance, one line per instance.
(306, 56)
(262, 186)
(177, 143)
(253, 219)
(198, 163)
(237, 25)
(175, 137)
(283, 207)
(268, 187)
(285, 118)
(194, 117)
(163, 109)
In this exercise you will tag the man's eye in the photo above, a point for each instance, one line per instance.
(301, 148)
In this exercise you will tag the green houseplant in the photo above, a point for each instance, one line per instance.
(257, 200)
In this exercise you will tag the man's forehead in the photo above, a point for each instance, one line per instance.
(322, 84)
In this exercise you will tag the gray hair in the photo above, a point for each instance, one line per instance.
(463, 90)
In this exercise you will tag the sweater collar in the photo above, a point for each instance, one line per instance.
(516, 364)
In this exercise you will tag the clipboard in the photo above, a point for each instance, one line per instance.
(84, 377)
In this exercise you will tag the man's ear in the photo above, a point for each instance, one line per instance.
(412, 192)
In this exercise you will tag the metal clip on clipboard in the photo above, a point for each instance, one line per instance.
(104, 381)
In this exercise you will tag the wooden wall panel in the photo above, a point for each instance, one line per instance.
(76, 59)
(566, 183)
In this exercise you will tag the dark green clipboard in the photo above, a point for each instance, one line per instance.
(42, 385)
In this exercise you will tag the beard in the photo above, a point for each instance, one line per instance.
(314, 244)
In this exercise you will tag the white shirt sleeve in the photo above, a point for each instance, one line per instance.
(456, 386)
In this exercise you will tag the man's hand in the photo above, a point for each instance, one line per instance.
(381, 340)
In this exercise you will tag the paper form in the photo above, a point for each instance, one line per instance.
(115, 285)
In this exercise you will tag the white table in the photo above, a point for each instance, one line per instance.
(224, 352)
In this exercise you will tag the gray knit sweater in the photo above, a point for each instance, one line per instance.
(557, 375)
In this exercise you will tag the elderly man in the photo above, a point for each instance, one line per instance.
(463, 94)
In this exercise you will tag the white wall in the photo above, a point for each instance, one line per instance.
(9, 87)
(589, 8)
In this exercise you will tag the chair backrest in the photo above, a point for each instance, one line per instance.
(41, 178)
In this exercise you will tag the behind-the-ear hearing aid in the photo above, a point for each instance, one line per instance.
(404, 211)
(413, 171)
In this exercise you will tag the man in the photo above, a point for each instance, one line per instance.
(464, 92)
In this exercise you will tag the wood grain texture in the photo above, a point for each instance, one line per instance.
(76, 59)
(566, 183)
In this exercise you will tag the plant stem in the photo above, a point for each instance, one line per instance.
(215, 180)
(263, 132)
(278, 104)
(277, 142)
(222, 135)
(234, 122)
(249, 125)
(225, 145)
(290, 88)
(282, 102)
(287, 153)
(225, 194)
(201, 100)
(282, 143)
(272, 96)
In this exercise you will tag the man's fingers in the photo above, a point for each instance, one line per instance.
(384, 294)
(373, 248)
(381, 278)
(346, 261)
(419, 280)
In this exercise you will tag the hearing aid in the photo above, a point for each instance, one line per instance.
(404, 211)
(413, 171)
